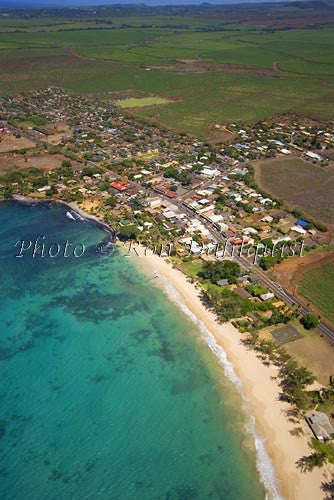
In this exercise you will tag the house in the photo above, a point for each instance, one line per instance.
(320, 425)
(267, 296)
(195, 248)
(298, 229)
(43, 189)
(302, 223)
(154, 202)
(223, 282)
(313, 156)
(267, 218)
(243, 293)
(120, 185)
(210, 172)
(281, 239)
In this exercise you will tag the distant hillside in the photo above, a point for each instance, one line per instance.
(84, 5)
(26, 4)
(312, 4)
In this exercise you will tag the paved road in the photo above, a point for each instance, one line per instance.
(284, 294)
(323, 329)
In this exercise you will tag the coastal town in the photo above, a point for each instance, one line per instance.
(167, 250)
(174, 193)
(190, 197)
(195, 203)
(167, 187)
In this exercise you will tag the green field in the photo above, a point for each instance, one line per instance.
(317, 286)
(140, 102)
(300, 184)
(277, 72)
(192, 268)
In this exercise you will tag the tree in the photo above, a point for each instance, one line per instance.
(129, 232)
(52, 191)
(256, 289)
(268, 242)
(66, 164)
(215, 271)
(225, 303)
(111, 202)
(294, 381)
(171, 172)
(310, 321)
(269, 261)
(90, 171)
(316, 459)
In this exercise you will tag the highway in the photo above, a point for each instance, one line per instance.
(285, 295)
(323, 329)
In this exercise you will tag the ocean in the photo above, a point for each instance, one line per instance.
(108, 390)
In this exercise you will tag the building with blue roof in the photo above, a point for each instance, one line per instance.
(302, 223)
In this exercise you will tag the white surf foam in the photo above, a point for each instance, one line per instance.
(79, 216)
(74, 215)
(69, 215)
(263, 462)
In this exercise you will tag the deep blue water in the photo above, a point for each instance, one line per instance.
(107, 389)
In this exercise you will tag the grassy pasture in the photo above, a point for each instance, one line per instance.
(78, 39)
(317, 286)
(200, 99)
(114, 59)
(135, 102)
(300, 184)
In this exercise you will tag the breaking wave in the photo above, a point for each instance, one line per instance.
(74, 215)
(264, 464)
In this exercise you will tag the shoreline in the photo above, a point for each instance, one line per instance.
(254, 381)
(72, 205)
(258, 387)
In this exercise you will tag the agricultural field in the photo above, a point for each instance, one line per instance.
(299, 183)
(214, 70)
(317, 287)
(140, 102)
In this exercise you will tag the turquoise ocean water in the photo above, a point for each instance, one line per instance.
(108, 391)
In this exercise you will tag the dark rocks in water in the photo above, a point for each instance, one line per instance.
(5, 353)
(55, 475)
(105, 247)
(182, 493)
(95, 306)
(3, 424)
(97, 378)
(90, 465)
(164, 351)
(141, 335)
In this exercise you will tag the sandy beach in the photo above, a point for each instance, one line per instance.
(258, 385)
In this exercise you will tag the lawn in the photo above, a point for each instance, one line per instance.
(140, 102)
(300, 184)
(192, 268)
(317, 286)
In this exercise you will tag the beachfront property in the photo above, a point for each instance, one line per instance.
(182, 190)
(320, 425)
